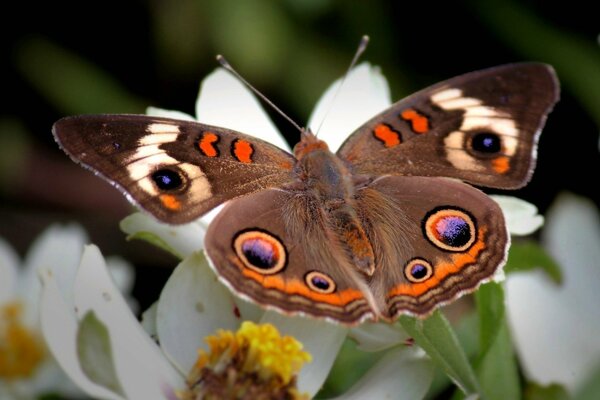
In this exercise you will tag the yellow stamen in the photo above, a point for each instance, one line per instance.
(21, 349)
(254, 360)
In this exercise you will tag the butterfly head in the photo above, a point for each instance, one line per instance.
(307, 144)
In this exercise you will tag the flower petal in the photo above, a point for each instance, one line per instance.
(224, 101)
(149, 320)
(364, 94)
(378, 336)
(521, 217)
(402, 373)
(321, 339)
(58, 249)
(161, 112)
(9, 270)
(143, 370)
(554, 331)
(122, 273)
(180, 240)
(59, 327)
(192, 305)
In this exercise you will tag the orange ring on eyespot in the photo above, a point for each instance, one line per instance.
(314, 279)
(260, 251)
(418, 270)
(450, 228)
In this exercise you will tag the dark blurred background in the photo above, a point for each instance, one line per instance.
(61, 58)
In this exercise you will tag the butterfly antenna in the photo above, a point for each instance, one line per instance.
(225, 64)
(362, 46)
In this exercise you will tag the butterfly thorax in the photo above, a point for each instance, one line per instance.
(327, 178)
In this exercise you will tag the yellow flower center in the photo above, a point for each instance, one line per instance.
(21, 349)
(255, 362)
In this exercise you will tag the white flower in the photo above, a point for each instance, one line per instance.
(34, 371)
(556, 327)
(193, 304)
(521, 217)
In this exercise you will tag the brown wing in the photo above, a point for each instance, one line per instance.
(176, 170)
(275, 248)
(480, 127)
(434, 239)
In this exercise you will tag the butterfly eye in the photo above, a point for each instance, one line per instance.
(486, 142)
(418, 270)
(260, 252)
(320, 282)
(450, 228)
(167, 179)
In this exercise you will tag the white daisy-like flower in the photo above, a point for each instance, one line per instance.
(556, 326)
(194, 306)
(27, 369)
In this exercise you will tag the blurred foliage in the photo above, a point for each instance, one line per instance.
(124, 56)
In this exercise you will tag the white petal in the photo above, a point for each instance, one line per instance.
(149, 320)
(378, 336)
(192, 305)
(207, 218)
(554, 327)
(57, 249)
(59, 327)
(224, 101)
(161, 112)
(321, 339)
(403, 373)
(9, 270)
(181, 240)
(521, 217)
(364, 94)
(143, 370)
(249, 311)
(122, 273)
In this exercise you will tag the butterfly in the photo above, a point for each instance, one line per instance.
(388, 225)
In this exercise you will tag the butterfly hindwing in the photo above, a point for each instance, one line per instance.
(480, 127)
(434, 239)
(176, 170)
(275, 248)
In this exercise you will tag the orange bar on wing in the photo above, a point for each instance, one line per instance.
(419, 122)
(501, 164)
(170, 201)
(242, 150)
(387, 135)
(207, 146)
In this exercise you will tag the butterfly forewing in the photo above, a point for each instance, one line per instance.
(480, 127)
(176, 170)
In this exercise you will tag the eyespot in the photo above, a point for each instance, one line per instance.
(450, 228)
(167, 179)
(486, 142)
(418, 270)
(260, 251)
(320, 282)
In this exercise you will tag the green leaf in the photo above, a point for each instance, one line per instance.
(71, 83)
(94, 351)
(498, 371)
(154, 240)
(490, 306)
(436, 337)
(533, 391)
(527, 255)
(590, 389)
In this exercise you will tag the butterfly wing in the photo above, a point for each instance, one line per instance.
(176, 170)
(434, 239)
(275, 248)
(480, 127)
